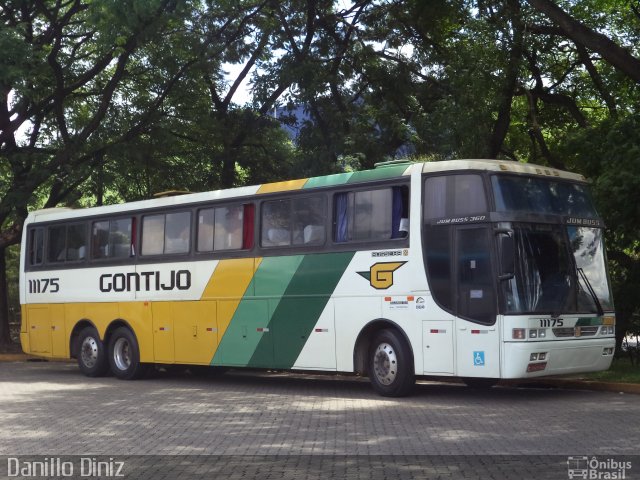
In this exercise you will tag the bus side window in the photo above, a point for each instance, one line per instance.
(297, 221)
(100, 240)
(308, 220)
(36, 246)
(56, 242)
(276, 223)
(177, 232)
(372, 215)
(112, 238)
(76, 242)
(168, 233)
(225, 228)
(153, 235)
(228, 228)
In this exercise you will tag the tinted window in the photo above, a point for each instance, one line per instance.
(36, 246)
(476, 298)
(56, 243)
(166, 233)
(220, 228)
(276, 223)
(542, 195)
(454, 196)
(438, 256)
(112, 239)
(298, 221)
(67, 243)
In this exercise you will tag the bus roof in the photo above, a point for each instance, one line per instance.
(387, 170)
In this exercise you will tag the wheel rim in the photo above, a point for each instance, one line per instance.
(385, 364)
(89, 352)
(122, 354)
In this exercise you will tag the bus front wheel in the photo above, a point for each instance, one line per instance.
(92, 358)
(391, 364)
(124, 355)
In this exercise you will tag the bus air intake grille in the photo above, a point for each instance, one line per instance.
(587, 331)
(565, 332)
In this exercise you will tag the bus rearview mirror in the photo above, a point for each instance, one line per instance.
(507, 256)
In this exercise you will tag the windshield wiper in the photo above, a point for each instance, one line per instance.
(591, 291)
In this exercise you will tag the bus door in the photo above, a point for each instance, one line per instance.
(477, 335)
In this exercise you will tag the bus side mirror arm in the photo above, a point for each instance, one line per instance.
(506, 247)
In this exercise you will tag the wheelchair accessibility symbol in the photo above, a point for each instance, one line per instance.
(478, 359)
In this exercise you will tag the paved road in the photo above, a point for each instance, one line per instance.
(51, 409)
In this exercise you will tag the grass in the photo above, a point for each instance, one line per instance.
(621, 371)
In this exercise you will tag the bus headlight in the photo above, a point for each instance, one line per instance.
(607, 330)
(519, 333)
(537, 333)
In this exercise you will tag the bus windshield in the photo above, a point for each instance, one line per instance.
(541, 195)
(558, 269)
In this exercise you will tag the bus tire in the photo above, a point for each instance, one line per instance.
(391, 364)
(124, 355)
(91, 353)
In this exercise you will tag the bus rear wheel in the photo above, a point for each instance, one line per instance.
(124, 355)
(391, 364)
(92, 358)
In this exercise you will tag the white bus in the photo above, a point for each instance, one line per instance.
(479, 269)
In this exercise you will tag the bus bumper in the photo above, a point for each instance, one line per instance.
(560, 357)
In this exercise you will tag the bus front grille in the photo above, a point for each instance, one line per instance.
(575, 331)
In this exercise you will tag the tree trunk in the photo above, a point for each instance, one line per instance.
(228, 175)
(510, 82)
(613, 53)
(5, 337)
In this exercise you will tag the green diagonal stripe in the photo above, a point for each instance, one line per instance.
(298, 311)
(254, 311)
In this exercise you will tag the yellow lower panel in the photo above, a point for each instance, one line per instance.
(167, 332)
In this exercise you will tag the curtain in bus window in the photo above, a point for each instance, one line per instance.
(341, 217)
(249, 215)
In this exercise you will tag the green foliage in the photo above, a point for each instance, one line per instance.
(112, 100)
(609, 154)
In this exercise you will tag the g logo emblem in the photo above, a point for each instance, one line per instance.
(380, 275)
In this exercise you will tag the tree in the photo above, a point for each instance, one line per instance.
(63, 76)
(581, 34)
